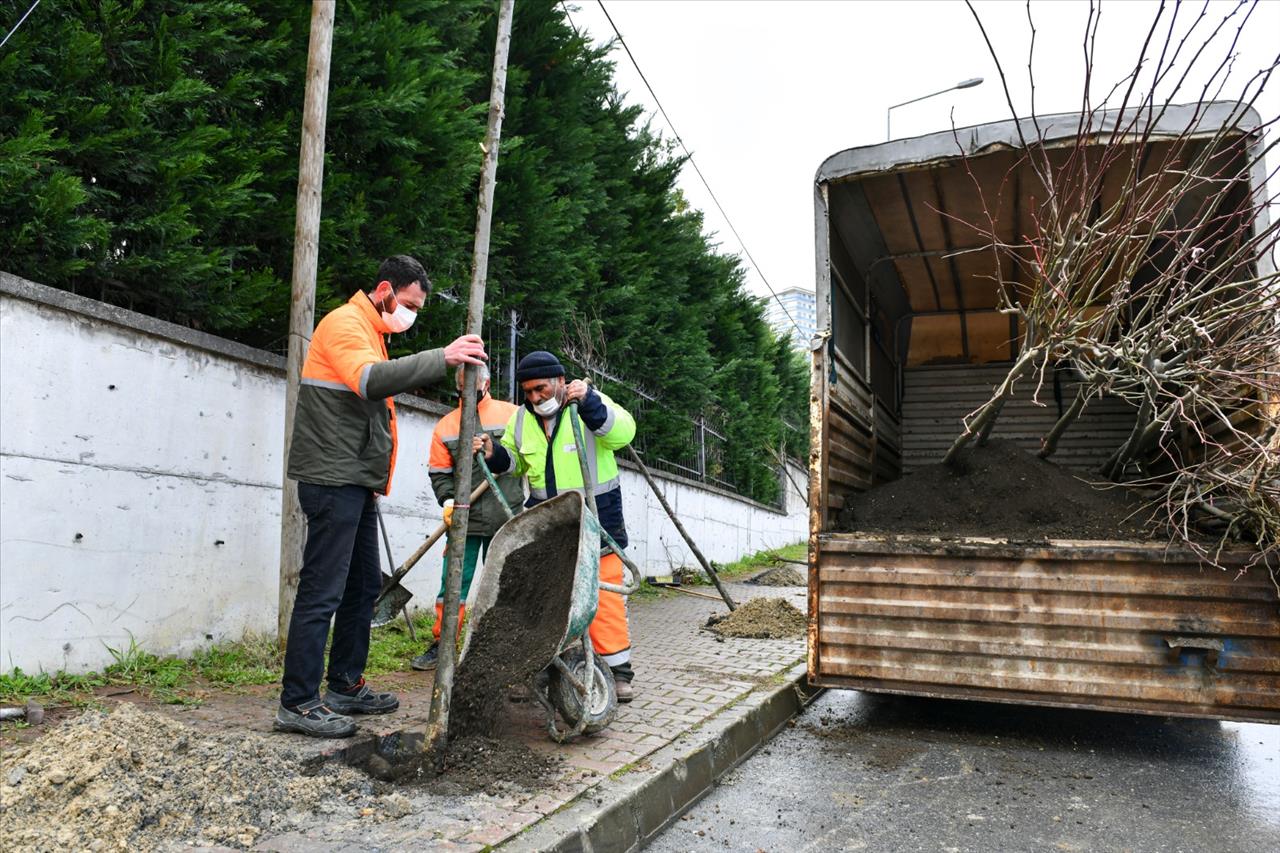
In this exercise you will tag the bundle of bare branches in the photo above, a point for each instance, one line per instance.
(1151, 274)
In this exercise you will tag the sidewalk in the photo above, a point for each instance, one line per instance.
(687, 682)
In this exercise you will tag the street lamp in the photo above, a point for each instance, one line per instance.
(888, 114)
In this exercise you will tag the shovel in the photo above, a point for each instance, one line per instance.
(394, 597)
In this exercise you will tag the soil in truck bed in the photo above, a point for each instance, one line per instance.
(999, 491)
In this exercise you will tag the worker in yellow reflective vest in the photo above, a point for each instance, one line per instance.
(538, 443)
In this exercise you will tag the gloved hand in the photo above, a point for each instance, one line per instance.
(448, 513)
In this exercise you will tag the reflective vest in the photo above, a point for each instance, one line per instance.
(552, 466)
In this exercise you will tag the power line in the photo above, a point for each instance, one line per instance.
(20, 20)
(689, 155)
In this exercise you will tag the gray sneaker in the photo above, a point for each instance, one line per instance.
(428, 659)
(314, 719)
(361, 700)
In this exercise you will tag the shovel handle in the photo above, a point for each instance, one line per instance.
(431, 540)
(493, 484)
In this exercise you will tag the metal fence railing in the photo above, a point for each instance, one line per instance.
(693, 447)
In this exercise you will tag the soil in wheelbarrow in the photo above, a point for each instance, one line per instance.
(760, 619)
(518, 636)
(513, 641)
(997, 490)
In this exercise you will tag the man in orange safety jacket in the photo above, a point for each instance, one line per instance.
(342, 453)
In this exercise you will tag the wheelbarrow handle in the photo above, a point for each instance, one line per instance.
(627, 587)
(493, 484)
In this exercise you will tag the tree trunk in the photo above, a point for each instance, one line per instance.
(1050, 442)
(984, 419)
(442, 690)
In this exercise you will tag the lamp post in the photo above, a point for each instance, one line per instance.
(888, 114)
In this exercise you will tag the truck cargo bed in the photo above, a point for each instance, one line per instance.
(1101, 625)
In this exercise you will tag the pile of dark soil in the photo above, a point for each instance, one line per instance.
(494, 766)
(1001, 491)
(135, 780)
(760, 619)
(780, 576)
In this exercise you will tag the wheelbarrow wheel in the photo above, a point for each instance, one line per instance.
(604, 697)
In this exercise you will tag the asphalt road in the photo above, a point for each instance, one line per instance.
(864, 772)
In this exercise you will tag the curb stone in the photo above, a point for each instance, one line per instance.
(623, 814)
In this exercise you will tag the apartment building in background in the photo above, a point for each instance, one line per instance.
(800, 304)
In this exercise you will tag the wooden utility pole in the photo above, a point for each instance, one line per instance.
(302, 314)
(442, 690)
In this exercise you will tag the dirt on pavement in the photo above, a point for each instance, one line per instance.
(134, 780)
(997, 490)
(760, 619)
(780, 576)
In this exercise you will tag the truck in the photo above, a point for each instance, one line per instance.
(910, 338)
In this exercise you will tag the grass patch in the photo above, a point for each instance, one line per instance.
(648, 591)
(256, 659)
(60, 688)
(766, 559)
(391, 648)
(750, 564)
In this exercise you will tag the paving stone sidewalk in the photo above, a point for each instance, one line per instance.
(685, 677)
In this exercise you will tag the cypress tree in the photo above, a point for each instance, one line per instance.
(148, 157)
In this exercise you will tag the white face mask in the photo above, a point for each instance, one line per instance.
(547, 407)
(399, 321)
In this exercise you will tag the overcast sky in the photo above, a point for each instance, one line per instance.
(763, 92)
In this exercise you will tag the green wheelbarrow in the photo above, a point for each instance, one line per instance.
(541, 583)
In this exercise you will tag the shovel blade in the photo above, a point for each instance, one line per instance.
(390, 602)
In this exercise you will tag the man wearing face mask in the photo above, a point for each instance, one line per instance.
(343, 454)
(539, 442)
(487, 514)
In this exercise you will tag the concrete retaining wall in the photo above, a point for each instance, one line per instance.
(140, 471)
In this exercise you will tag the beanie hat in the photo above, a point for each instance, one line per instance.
(538, 365)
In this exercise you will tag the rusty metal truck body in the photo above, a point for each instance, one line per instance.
(910, 340)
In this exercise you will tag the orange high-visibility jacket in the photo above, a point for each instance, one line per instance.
(486, 514)
(344, 427)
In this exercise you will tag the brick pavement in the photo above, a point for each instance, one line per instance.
(684, 678)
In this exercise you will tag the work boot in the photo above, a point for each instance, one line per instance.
(624, 691)
(360, 699)
(428, 659)
(315, 719)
